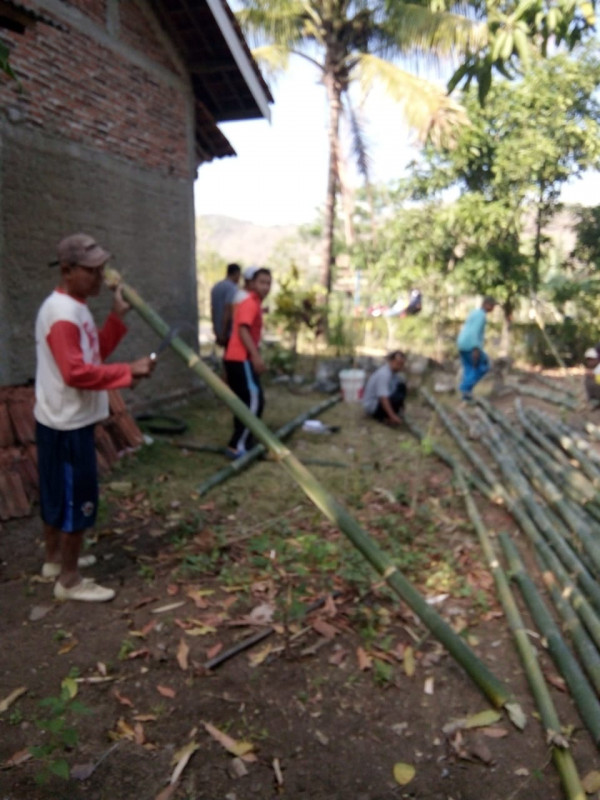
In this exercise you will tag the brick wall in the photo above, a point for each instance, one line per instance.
(136, 30)
(77, 88)
(94, 9)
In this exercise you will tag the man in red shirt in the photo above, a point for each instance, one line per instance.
(243, 362)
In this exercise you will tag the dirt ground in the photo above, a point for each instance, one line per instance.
(330, 700)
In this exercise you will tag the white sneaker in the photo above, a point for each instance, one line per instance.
(86, 590)
(52, 570)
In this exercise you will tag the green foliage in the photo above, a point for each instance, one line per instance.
(59, 735)
(297, 307)
(4, 62)
(506, 173)
(518, 33)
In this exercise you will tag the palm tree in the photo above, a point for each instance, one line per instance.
(354, 41)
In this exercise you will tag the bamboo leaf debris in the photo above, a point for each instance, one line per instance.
(494, 689)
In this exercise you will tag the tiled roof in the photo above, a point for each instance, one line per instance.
(18, 454)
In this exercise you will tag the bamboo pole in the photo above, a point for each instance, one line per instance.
(489, 684)
(537, 521)
(562, 757)
(581, 691)
(473, 457)
(568, 444)
(580, 532)
(548, 382)
(550, 397)
(240, 464)
(570, 604)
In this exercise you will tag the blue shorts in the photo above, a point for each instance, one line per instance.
(68, 477)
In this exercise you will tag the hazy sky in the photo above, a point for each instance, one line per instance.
(280, 171)
(279, 174)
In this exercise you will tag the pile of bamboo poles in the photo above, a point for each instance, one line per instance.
(547, 475)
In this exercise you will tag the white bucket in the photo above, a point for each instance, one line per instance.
(352, 382)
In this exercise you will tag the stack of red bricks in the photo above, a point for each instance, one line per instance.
(18, 455)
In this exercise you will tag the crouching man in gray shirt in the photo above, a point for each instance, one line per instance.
(384, 394)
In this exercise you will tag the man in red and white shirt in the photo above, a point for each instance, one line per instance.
(243, 362)
(71, 397)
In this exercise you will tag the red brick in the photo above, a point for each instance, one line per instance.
(7, 436)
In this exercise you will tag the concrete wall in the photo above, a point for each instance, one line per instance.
(100, 139)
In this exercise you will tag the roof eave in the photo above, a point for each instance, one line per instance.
(232, 37)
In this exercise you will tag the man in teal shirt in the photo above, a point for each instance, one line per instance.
(474, 361)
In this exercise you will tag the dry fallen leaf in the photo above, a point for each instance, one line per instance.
(277, 771)
(167, 793)
(182, 654)
(324, 628)
(142, 653)
(125, 701)
(20, 757)
(139, 737)
(365, 661)
(408, 660)
(68, 646)
(169, 607)
(181, 758)
(259, 656)
(122, 731)
(262, 614)
(556, 681)
(203, 630)
(10, 699)
(214, 650)
(166, 691)
(338, 657)
(494, 732)
(240, 749)
(329, 607)
(403, 773)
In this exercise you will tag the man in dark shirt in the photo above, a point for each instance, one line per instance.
(221, 297)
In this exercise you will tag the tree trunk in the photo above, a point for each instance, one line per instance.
(334, 95)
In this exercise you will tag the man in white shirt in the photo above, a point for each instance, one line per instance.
(384, 394)
(70, 398)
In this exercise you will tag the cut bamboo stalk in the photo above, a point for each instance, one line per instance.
(566, 663)
(536, 520)
(575, 480)
(240, 464)
(568, 445)
(473, 457)
(548, 382)
(556, 398)
(580, 532)
(489, 684)
(580, 603)
(571, 606)
(562, 757)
